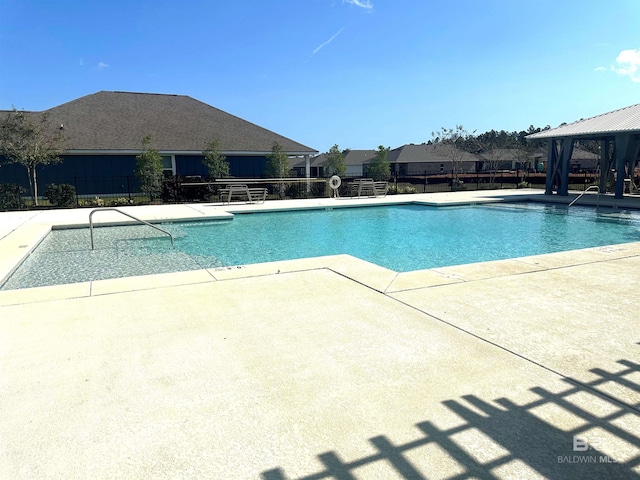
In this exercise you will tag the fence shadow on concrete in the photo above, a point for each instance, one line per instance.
(501, 439)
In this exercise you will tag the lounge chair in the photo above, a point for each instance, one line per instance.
(366, 187)
(243, 192)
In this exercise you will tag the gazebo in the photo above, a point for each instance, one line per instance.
(618, 130)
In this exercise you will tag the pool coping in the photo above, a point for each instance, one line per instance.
(23, 237)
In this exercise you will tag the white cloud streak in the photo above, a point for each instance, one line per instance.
(366, 4)
(628, 64)
(333, 37)
(102, 65)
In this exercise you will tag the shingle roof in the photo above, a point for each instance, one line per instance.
(426, 153)
(117, 121)
(624, 120)
(351, 157)
(359, 157)
(317, 161)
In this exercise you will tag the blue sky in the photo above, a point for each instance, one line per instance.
(357, 73)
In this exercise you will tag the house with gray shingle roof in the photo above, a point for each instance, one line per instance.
(429, 159)
(104, 133)
(425, 159)
(356, 162)
(405, 160)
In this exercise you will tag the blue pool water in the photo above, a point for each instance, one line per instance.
(401, 238)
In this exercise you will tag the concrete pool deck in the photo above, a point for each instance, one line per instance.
(327, 367)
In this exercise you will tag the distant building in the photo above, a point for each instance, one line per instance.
(104, 134)
(356, 162)
(426, 159)
(429, 159)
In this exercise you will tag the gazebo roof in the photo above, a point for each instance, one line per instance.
(624, 120)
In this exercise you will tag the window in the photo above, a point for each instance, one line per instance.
(168, 165)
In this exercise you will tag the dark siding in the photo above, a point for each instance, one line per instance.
(114, 174)
(94, 174)
(90, 174)
(190, 165)
(239, 166)
(249, 167)
(12, 173)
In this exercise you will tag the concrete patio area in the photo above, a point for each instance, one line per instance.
(327, 367)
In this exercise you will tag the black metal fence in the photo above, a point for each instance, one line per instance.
(446, 182)
(125, 190)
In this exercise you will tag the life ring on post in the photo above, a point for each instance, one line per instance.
(334, 183)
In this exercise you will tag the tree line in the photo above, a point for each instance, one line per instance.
(492, 145)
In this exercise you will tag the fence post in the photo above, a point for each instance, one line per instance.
(128, 189)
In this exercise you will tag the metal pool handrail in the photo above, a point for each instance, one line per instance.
(128, 215)
(588, 188)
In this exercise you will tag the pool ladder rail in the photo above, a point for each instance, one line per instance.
(128, 215)
(597, 189)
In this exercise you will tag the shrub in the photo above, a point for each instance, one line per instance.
(92, 202)
(149, 170)
(175, 189)
(11, 196)
(62, 195)
(319, 189)
(170, 190)
(296, 190)
(120, 201)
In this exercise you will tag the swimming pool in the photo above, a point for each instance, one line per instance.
(401, 238)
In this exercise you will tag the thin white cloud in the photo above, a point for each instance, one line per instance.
(333, 37)
(628, 64)
(366, 4)
(102, 65)
(600, 69)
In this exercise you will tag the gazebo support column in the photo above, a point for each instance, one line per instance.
(605, 165)
(552, 162)
(565, 165)
(627, 147)
(558, 166)
(307, 171)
